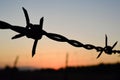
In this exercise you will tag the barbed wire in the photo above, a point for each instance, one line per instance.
(36, 32)
(76, 43)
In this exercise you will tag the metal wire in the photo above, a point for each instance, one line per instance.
(76, 43)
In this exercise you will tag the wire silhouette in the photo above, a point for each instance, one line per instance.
(107, 49)
(36, 32)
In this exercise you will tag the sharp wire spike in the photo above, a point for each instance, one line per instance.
(106, 40)
(100, 54)
(26, 16)
(114, 44)
(34, 47)
(106, 44)
(41, 23)
(17, 36)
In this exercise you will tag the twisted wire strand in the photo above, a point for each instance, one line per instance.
(75, 43)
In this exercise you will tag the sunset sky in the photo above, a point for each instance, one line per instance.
(86, 21)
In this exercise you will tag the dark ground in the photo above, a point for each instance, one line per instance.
(99, 72)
